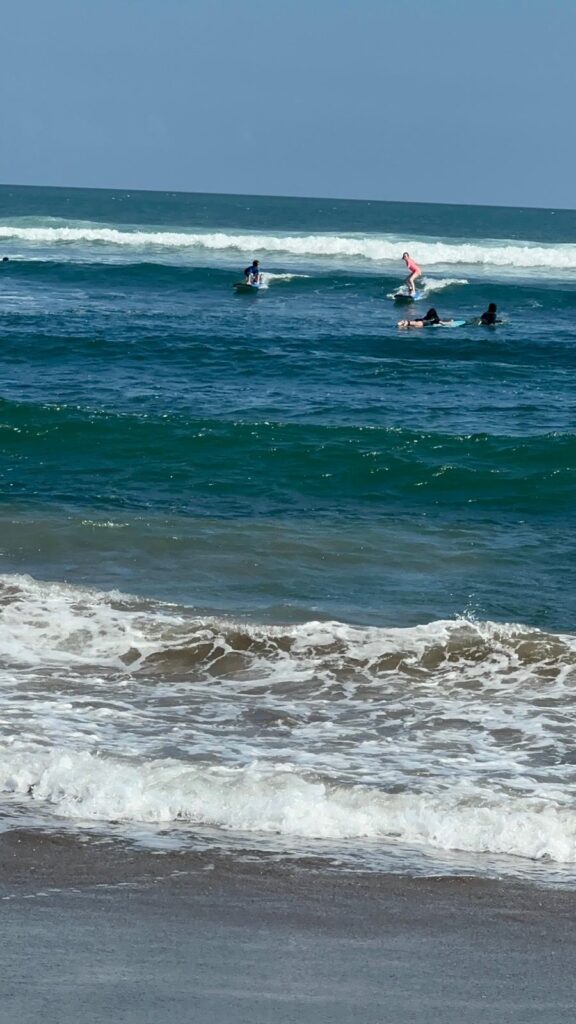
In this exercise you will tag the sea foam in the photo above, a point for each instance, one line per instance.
(454, 735)
(372, 248)
(283, 801)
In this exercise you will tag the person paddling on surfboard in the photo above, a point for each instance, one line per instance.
(415, 272)
(489, 318)
(431, 319)
(252, 275)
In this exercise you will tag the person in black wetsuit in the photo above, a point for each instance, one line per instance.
(430, 319)
(489, 318)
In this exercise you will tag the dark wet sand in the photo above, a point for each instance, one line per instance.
(104, 932)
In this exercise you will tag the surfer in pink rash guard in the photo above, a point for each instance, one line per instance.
(415, 272)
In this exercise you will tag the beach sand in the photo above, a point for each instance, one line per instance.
(103, 931)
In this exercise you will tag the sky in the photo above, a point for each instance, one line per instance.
(453, 101)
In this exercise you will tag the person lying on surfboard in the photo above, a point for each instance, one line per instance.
(253, 275)
(430, 319)
(415, 272)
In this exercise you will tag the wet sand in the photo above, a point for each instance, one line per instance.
(93, 932)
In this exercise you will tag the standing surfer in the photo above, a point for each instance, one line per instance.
(415, 271)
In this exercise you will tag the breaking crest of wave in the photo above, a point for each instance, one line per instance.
(454, 735)
(378, 248)
(55, 623)
(430, 284)
(268, 278)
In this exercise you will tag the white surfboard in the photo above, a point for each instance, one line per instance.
(243, 287)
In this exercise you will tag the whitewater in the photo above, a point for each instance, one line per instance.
(439, 736)
(496, 253)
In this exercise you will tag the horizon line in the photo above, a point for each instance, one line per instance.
(273, 195)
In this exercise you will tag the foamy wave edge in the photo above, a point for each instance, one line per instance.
(48, 624)
(521, 255)
(57, 624)
(280, 800)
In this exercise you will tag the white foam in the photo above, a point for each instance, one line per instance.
(456, 734)
(52, 623)
(510, 254)
(431, 284)
(268, 278)
(283, 277)
(282, 801)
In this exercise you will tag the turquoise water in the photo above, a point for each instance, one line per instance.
(285, 460)
(431, 475)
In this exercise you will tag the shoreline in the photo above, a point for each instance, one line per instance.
(101, 928)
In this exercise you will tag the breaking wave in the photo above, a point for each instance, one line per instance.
(452, 735)
(374, 248)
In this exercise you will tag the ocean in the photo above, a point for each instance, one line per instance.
(278, 579)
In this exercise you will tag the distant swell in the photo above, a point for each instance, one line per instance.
(196, 459)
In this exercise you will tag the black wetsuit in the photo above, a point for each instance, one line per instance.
(488, 319)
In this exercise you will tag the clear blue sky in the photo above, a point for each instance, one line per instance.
(465, 101)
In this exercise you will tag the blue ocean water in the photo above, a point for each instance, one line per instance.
(263, 499)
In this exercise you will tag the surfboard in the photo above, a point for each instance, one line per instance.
(452, 323)
(247, 289)
(405, 297)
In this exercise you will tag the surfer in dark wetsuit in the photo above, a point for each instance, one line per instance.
(252, 275)
(430, 319)
(489, 318)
